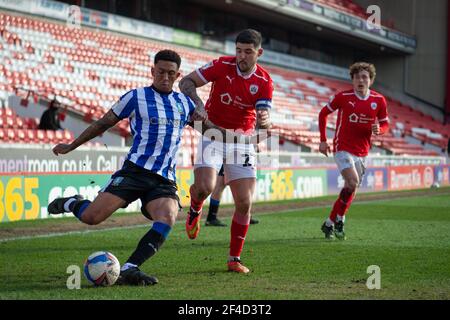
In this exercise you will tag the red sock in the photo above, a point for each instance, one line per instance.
(238, 233)
(342, 204)
(196, 205)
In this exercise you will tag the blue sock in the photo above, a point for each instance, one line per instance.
(162, 228)
(78, 208)
(150, 243)
(214, 202)
(213, 209)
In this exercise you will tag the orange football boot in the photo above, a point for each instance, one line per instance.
(193, 224)
(236, 266)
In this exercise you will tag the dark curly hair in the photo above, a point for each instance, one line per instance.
(168, 55)
(360, 66)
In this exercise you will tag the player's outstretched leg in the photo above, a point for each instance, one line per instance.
(91, 213)
(75, 204)
(62, 205)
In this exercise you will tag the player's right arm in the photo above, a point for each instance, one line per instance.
(124, 108)
(188, 86)
(330, 107)
(198, 78)
(95, 129)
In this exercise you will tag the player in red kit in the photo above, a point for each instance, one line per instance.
(240, 98)
(361, 113)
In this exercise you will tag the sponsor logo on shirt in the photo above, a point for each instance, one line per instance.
(164, 122)
(226, 98)
(362, 118)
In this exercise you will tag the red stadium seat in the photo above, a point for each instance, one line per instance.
(30, 135)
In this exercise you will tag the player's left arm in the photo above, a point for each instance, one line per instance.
(263, 118)
(263, 106)
(383, 120)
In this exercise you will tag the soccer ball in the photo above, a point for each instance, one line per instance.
(102, 268)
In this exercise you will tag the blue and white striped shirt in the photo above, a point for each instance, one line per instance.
(156, 121)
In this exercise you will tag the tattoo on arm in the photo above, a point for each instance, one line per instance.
(97, 128)
(189, 88)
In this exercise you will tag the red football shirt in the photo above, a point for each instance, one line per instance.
(234, 98)
(355, 118)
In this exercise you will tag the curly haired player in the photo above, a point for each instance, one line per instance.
(361, 113)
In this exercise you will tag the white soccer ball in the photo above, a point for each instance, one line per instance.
(102, 268)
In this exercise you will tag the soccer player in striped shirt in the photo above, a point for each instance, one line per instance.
(361, 113)
(157, 118)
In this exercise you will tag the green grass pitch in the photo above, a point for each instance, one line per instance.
(289, 258)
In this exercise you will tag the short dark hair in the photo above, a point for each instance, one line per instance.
(168, 55)
(250, 36)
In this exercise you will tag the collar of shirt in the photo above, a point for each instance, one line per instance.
(363, 98)
(245, 76)
(160, 92)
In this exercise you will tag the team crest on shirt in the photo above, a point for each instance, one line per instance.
(180, 107)
(208, 65)
(373, 105)
(254, 89)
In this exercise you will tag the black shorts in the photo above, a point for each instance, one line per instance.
(133, 182)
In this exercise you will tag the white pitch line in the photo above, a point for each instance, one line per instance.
(58, 234)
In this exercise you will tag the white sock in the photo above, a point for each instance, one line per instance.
(231, 258)
(329, 222)
(127, 266)
(340, 218)
(68, 203)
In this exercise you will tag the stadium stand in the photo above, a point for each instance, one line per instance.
(346, 6)
(15, 129)
(349, 7)
(88, 71)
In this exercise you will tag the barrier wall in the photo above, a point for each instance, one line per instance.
(26, 196)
